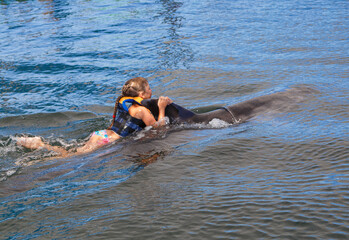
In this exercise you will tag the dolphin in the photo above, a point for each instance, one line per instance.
(234, 114)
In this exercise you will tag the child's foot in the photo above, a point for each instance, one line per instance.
(30, 142)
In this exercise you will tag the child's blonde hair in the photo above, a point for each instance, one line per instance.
(131, 88)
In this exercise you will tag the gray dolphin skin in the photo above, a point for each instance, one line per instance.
(236, 113)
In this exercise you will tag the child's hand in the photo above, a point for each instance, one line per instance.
(164, 101)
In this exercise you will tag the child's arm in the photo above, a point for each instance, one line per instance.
(147, 117)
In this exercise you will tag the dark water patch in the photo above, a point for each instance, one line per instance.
(213, 204)
(45, 119)
(98, 55)
(56, 68)
(40, 95)
(98, 109)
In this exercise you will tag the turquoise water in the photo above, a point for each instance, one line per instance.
(284, 174)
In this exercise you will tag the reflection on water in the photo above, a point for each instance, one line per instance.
(173, 52)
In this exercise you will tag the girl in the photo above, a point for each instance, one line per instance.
(129, 116)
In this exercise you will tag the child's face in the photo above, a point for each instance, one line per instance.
(147, 93)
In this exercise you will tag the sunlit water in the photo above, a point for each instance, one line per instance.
(284, 174)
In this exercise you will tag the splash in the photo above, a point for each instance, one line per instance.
(217, 123)
(213, 124)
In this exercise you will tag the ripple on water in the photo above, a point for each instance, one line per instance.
(281, 175)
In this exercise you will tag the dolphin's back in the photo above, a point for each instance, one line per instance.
(236, 113)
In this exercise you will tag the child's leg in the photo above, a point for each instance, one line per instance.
(36, 142)
(97, 139)
(30, 142)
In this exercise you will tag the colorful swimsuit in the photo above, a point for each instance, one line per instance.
(124, 123)
(103, 134)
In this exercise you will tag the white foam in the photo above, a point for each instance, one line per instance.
(139, 135)
(5, 175)
(167, 120)
(10, 172)
(217, 123)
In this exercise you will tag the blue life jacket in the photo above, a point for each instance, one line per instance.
(124, 123)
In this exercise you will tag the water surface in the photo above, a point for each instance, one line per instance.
(283, 174)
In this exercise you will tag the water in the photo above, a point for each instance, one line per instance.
(280, 175)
